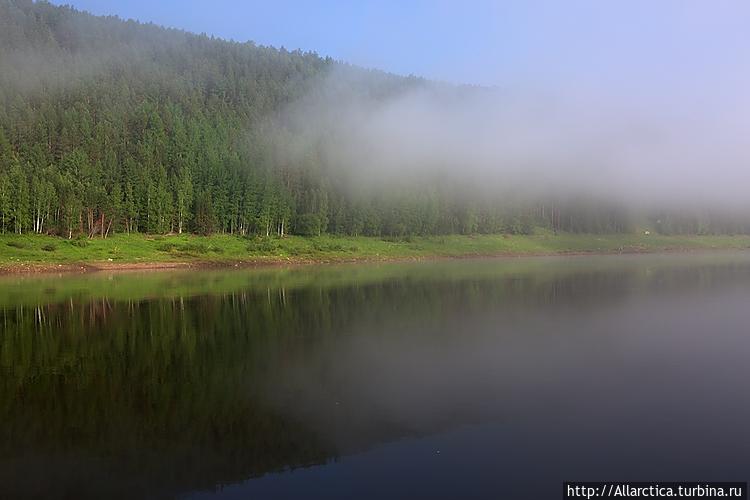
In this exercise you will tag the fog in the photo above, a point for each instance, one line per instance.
(639, 105)
(631, 143)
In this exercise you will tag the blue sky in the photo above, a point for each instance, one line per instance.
(570, 42)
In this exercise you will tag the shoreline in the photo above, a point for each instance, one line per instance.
(95, 266)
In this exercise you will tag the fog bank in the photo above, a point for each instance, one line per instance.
(637, 143)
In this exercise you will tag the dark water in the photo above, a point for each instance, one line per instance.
(470, 379)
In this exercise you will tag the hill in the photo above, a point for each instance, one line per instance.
(109, 126)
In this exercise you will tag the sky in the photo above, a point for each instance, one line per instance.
(479, 41)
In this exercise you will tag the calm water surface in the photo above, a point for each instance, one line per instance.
(462, 379)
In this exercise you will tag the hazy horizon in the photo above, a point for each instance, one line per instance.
(633, 100)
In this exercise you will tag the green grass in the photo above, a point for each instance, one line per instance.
(17, 250)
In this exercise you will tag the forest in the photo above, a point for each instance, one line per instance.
(113, 126)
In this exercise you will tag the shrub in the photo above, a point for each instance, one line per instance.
(167, 247)
(308, 225)
(263, 246)
(17, 244)
(193, 248)
(328, 247)
(78, 242)
(49, 248)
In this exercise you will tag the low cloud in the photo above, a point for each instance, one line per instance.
(652, 146)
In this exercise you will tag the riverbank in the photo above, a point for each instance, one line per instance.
(36, 253)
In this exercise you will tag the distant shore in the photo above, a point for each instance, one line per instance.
(44, 254)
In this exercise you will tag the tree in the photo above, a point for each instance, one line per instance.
(204, 213)
(20, 203)
(44, 197)
(6, 205)
(308, 225)
(184, 198)
(116, 208)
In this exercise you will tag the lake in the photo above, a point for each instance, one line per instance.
(493, 378)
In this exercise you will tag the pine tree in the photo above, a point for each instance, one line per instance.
(20, 202)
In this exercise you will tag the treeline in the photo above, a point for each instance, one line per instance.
(116, 126)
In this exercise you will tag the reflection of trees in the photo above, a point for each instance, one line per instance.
(124, 397)
(163, 389)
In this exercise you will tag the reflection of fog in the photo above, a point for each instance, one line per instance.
(238, 375)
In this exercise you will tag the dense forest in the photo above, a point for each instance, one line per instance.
(111, 126)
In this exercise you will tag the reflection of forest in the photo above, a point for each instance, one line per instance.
(128, 397)
(162, 390)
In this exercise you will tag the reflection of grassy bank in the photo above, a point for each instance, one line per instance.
(149, 385)
(46, 288)
(16, 252)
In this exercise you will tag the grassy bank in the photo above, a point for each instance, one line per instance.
(43, 252)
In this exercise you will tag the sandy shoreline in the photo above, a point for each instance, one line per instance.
(98, 266)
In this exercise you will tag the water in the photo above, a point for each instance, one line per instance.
(456, 379)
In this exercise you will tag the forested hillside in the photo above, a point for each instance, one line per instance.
(116, 126)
